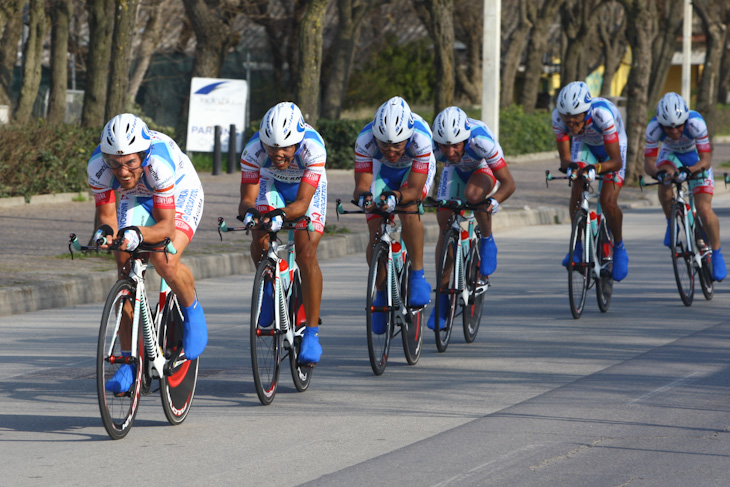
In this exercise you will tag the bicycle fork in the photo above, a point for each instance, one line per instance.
(152, 349)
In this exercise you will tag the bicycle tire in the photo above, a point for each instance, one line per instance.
(412, 326)
(681, 258)
(604, 250)
(378, 344)
(472, 310)
(265, 341)
(450, 289)
(177, 389)
(117, 410)
(702, 245)
(301, 375)
(578, 272)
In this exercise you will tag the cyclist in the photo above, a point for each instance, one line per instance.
(394, 164)
(685, 149)
(597, 132)
(474, 169)
(160, 195)
(283, 177)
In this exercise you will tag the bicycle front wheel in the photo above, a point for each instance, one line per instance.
(578, 267)
(177, 386)
(447, 291)
(265, 337)
(412, 327)
(472, 310)
(604, 285)
(702, 245)
(379, 318)
(681, 256)
(118, 409)
(301, 375)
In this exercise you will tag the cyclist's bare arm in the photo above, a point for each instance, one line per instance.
(107, 216)
(614, 162)
(249, 191)
(413, 191)
(650, 166)
(704, 163)
(363, 181)
(300, 205)
(506, 184)
(564, 153)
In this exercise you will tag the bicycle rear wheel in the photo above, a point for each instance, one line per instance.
(604, 285)
(265, 340)
(118, 410)
(578, 272)
(178, 388)
(681, 258)
(702, 245)
(446, 285)
(301, 375)
(472, 310)
(412, 327)
(378, 343)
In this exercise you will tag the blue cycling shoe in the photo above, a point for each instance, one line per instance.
(620, 262)
(719, 270)
(420, 290)
(488, 252)
(195, 337)
(310, 350)
(123, 378)
(667, 235)
(443, 313)
(379, 323)
(577, 252)
(266, 317)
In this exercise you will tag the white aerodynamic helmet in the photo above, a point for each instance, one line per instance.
(393, 121)
(574, 98)
(672, 110)
(125, 134)
(282, 126)
(451, 126)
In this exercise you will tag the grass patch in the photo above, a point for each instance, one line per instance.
(79, 198)
(334, 229)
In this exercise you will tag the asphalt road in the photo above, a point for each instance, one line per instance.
(634, 397)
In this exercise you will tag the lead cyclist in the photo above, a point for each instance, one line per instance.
(160, 196)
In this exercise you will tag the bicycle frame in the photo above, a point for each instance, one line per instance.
(461, 254)
(590, 237)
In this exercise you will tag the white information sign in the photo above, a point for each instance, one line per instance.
(216, 101)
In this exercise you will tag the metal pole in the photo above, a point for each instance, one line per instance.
(687, 51)
(232, 136)
(216, 150)
(490, 64)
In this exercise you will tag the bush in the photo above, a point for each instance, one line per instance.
(38, 158)
(339, 137)
(523, 133)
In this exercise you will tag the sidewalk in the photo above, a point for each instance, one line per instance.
(37, 273)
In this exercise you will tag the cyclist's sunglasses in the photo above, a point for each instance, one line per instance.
(114, 165)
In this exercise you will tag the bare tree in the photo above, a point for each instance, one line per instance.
(468, 27)
(723, 89)
(438, 19)
(32, 53)
(641, 30)
(612, 32)
(101, 25)
(350, 14)
(541, 14)
(310, 55)
(577, 20)
(125, 20)
(517, 26)
(11, 18)
(150, 40)
(670, 15)
(712, 13)
(60, 14)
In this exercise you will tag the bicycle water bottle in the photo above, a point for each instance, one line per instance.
(690, 213)
(594, 222)
(397, 255)
(464, 242)
(285, 274)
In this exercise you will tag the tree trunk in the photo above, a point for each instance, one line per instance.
(578, 22)
(512, 55)
(641, 30)
(664, 47)
(13, 23)
(712, 13)
(97, 64)
(125, 20)
(310, 56)
(724, 86)
(541, 19)
(60, 21)
(150, 39)
(32, 57)
(612, 32)
(442, 35)
(468, 27)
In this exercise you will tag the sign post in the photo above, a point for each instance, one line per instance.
(216, 101)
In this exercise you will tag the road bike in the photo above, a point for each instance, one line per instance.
(156, 344)
(590, 252)
(389, 271)
(271, 343)
(457, 272)
(689, 244)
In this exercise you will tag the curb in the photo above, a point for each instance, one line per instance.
(94, 288)
(43, 199)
